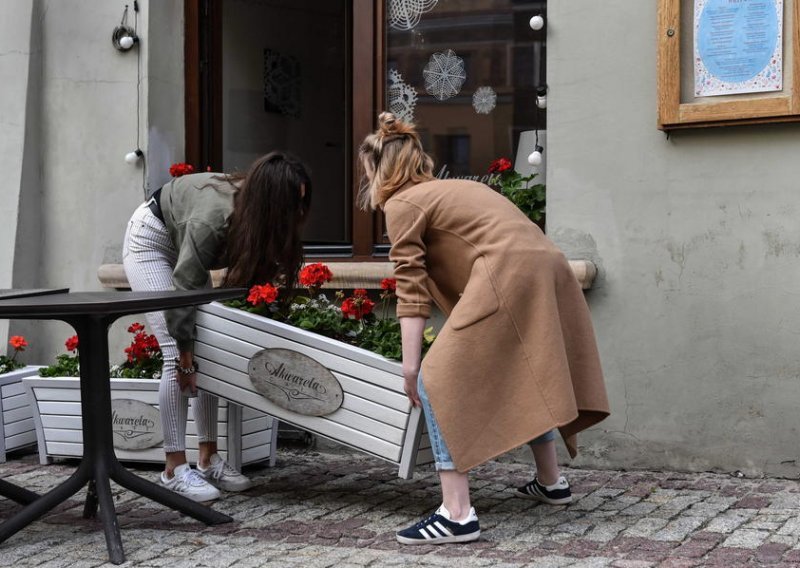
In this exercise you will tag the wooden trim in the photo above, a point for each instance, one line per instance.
(191, 69)
(718, 111)
(364, 106)
(215, 85)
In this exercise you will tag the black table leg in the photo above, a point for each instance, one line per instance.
(46, 502)
(18, 494)
(90, 506)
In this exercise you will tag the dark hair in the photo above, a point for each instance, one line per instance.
(264, 242)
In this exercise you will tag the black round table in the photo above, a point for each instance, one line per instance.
(91, 313)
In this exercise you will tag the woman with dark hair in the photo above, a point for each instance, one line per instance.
(516, 358)
(195, 223)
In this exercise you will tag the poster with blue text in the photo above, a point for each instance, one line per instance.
(738, 47)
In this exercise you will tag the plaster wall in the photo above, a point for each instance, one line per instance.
(88, 116)
(696, 237)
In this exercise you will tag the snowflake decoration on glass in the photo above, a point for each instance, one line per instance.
(484, 100)
(444, 75)
(402, 97)
(405, 14)
(282, 92)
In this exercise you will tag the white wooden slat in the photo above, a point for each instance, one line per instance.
(233, 369)
(16, 401)
(191, 428)
(256, 425)
(342, 416)
(61, 421)
(249, 413)
(60, 408)
(322, 426)
(21, 440)
(12, 390)
(20, 413)
(296, 335)
(255, 455)
(19, 427)
(245, 342)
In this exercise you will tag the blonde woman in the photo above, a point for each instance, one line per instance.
(516, 357)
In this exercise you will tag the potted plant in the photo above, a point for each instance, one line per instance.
(16, 417)
(245, 436)
(528, 197)
(324, 365)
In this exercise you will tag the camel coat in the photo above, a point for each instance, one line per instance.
(517, 355)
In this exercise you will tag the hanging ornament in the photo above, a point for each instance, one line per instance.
(405, 14)
(444, 75)
(484, 100)
(402, 97)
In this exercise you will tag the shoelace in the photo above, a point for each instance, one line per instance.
(190, 479)
(426, 522)
(222, 468)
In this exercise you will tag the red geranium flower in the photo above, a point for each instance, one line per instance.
(500, 165)
(265, 294)
(72, 343)
(18, 342)
(358, 305)
(315, 275)
(181, 169)
(135, 327)
(389, 284)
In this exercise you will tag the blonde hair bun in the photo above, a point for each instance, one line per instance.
(387, 123)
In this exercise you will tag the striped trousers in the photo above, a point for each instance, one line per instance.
(149, 259)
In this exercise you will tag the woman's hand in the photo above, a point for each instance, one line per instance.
(410, 386)
(411, 329)
(186, 361)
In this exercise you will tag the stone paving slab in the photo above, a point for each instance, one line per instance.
(323, 509)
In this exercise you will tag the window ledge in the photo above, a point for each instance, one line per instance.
(346, 275)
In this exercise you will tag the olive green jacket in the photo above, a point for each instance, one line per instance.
(196, 210)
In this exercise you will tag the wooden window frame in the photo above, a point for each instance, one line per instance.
(718, 111)
(203, 95)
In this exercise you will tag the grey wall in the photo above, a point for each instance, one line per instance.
(68, 109)
(697, 308)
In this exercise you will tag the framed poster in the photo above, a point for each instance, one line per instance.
(725, 62)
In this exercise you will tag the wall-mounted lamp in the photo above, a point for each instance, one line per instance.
(133, 157)
(124, 37)
(537, 22)
(541, 97)
(535, 159)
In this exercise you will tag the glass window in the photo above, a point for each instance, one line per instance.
(467, 72)
(285, 85)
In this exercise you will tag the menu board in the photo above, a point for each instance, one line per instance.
(738, 46)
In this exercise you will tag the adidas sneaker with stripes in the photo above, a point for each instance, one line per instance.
(439, 529)
(557, 494)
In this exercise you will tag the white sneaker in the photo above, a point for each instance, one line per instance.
(221, 474)
(188, 483)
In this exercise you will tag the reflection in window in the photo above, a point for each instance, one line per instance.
(492, 43)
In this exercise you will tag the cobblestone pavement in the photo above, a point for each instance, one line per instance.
(339, 509)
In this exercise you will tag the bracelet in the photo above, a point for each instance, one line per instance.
(191, 369)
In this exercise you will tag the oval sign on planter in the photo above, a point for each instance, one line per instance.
(136, 425)
(295, 382)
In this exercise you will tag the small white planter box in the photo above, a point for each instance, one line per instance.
(245, 436)
(16, 416)
(375, 415)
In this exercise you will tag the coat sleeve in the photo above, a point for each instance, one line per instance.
(197, 252)
(406, 224)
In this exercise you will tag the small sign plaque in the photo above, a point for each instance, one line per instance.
(136, 425)
(295, 382)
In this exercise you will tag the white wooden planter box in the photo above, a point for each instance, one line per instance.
(375, 415)
(244, 435)
(16, 416)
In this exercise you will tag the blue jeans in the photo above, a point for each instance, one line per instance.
(441, 454)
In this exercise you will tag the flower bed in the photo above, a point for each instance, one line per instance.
(245, 436)
(302, 359)
(16, 417)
